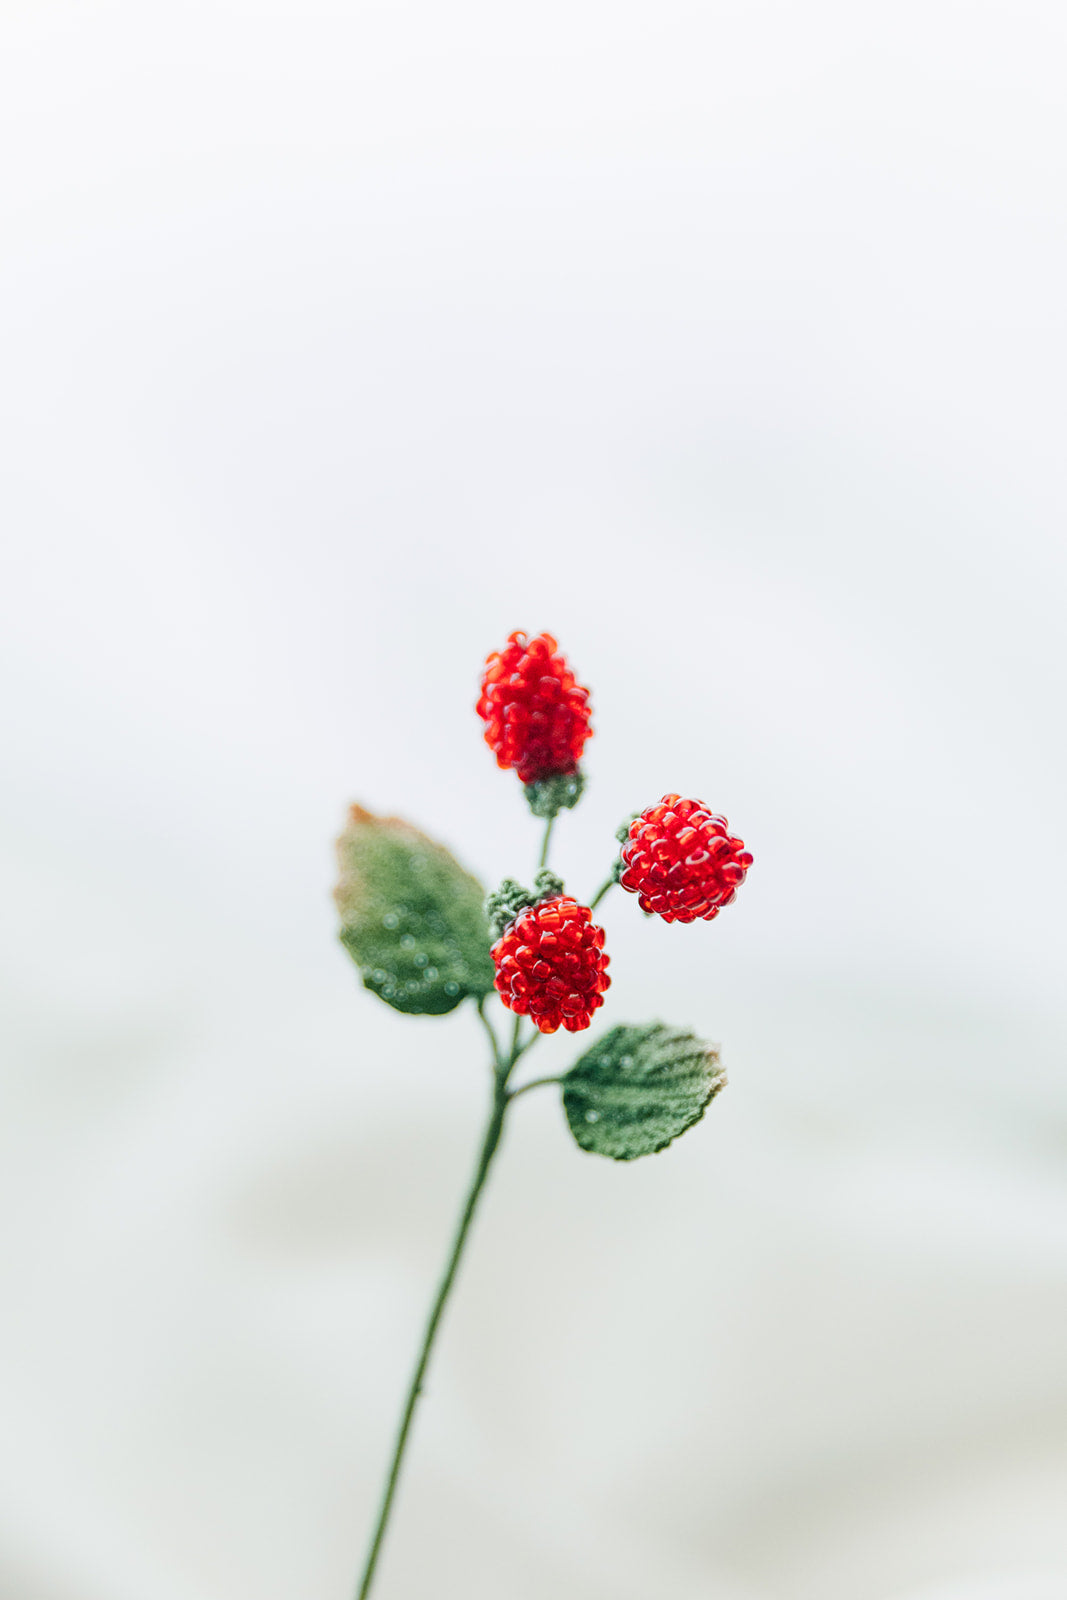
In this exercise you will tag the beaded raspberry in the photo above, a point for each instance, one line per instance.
(551, 966)
(536, 716)
(681, 861)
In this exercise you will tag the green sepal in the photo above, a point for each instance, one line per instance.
(505, 903)
(411, 918)
(639, 1088)
(547, 797)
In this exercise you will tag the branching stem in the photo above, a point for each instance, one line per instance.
(494, 1043)
(503, 1068)
(490, 1142)
(546, 841)
(534, 1083)
(503, 1065)
(609, 883)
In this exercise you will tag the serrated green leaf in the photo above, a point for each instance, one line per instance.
(639, 1088)
(411, 918)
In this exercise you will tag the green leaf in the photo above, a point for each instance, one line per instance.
(639, 1088)
(411, 919)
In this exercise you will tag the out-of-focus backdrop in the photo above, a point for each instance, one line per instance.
(728, 343)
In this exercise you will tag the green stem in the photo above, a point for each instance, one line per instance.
(520, 1049)
(490, 1142)
(503, 1066)
(534, 1083)
(609, 883)
(549, 825)
(494, 1043)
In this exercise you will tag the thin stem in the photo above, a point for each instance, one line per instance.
(545, 842)
(516, 1052)
(491, 1031)
(528, 1044)
(490, 1142)
(609, 883)
(503, 1066)
(534, 1083)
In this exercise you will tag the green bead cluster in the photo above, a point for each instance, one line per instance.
(547, 797)
(505, 903)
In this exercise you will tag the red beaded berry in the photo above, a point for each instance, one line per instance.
(536, 716)
(681, 862)
(551, 966)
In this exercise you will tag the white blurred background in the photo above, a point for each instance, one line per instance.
(728, 343)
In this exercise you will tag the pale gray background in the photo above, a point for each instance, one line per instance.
(727, 341)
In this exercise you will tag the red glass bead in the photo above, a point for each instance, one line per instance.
(536, 716)
(551, 966)
(681, 861)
